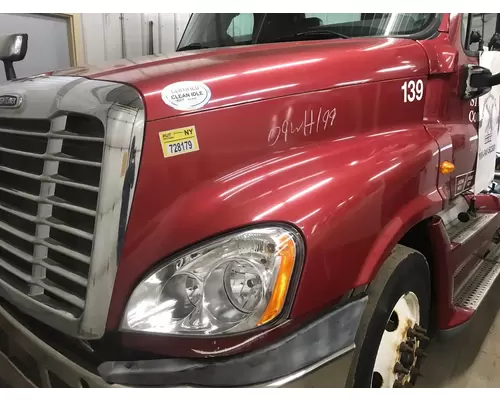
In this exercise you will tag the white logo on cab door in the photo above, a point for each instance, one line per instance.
(186, 96)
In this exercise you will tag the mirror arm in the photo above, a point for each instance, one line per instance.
(10, 73)
(494, 80)
(476, 81)
(481, 80)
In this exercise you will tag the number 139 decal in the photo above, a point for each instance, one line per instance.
(413, 90)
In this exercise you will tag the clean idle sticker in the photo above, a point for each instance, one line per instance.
(179, 141)
(186, 96)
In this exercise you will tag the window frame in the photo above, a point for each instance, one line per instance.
(429, 32)
(464, 40)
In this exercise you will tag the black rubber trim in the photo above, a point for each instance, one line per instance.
(317, 341)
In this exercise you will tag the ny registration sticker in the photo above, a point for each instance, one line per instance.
(179, 141)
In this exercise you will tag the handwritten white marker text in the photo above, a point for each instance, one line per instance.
(314, 121)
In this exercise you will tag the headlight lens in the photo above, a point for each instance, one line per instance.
(228, 285)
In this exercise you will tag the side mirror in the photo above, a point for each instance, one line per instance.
(476, 81)
(494, 43)
(475, 37)
(12, 48)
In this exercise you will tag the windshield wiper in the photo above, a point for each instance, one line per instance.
(193, 46)
(322, 34)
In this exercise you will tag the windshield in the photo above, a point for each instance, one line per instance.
(220, 30)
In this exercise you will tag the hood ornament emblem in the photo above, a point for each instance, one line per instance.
(10, 101)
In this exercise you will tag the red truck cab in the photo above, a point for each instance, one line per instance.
(288, 200)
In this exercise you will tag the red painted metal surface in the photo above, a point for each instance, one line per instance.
(254, 73)
(318, 144)
(315, 134)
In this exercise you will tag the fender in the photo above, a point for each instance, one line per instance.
(411, 214)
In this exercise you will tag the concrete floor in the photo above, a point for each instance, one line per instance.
(472, 358)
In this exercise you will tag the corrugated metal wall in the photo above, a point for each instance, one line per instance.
(105, 40)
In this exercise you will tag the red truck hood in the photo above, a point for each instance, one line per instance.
(251, 73)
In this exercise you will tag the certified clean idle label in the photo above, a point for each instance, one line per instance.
(179, 141)
(187, 95)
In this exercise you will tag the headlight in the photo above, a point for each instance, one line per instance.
(228, 285)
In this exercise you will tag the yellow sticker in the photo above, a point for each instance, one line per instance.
(179, 141)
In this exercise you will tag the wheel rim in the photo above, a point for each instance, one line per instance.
(397, 361)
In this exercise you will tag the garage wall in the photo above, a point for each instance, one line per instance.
(103, 33)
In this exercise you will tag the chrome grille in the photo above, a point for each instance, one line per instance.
(69, 158)
(49, 185)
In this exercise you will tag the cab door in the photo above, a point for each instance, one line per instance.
(476, 32)
(462, 119)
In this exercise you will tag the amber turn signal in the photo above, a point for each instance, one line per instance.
(446, 167)
(287, 252)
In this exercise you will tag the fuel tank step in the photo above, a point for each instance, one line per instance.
(460, 232)
(479, 282)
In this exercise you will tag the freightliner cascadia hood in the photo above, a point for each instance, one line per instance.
(236, 75)
(303, 133)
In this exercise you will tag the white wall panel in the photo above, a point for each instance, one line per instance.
(93, 38)
(133, 35)
(102, 34)
(167, 33)
(112, 36)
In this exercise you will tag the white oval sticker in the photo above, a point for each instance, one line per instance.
(187, 95)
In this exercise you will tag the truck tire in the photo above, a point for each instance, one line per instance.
(392, 332)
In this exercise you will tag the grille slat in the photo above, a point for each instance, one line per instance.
(73, 160)
(17, 213)
(69, 182)
(45, 284)
(16, 232)
(48, 264)
(14, 250)
(15, 271)
(55, 223)
(50, 243)
(53, 200)
(60, 135)
(57, 201)
(49, 182)
(74, 136)
(52, 179)
(19, 173)
(61, 293)
(21, 194)
(57, 269)
(57, 246)
(52, 157)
